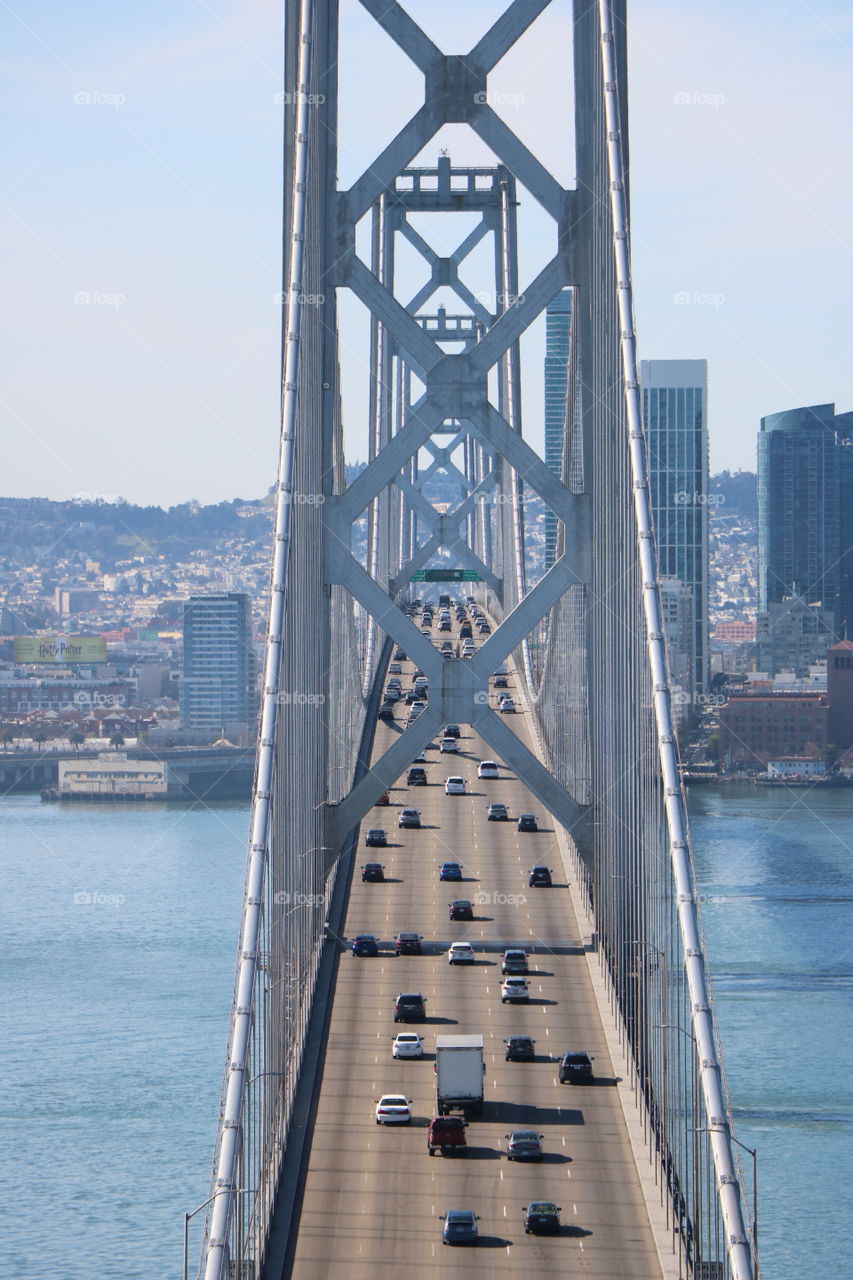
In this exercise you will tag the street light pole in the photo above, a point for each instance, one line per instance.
(752, 1151)
(237, 1191)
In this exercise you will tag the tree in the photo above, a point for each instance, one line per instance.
(116, 738)
(76, 738)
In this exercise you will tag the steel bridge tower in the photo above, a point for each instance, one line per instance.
(445, 395)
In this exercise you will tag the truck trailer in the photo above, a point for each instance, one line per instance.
(459, 1071)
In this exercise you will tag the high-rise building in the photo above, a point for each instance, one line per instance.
(558, 316)
(800, 503)
(218, 675)
(675, 396)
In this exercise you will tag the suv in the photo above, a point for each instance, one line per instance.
(575, 1068)
(519, 1049)
(447, 1135)
(539, 877)
(514, 960)
(386, 711)
(416, 777)
(514, 988)
(410, 1006)
(408, 944)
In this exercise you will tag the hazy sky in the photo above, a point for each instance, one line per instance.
(141, 192)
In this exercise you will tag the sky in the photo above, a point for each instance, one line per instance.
(140, 199)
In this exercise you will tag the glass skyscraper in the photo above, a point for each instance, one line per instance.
(675, 395)
(558, 315)
(805, 522)
(217, 680)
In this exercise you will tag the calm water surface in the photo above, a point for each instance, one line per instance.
(119, 930)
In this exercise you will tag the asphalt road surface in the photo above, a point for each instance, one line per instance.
(373, 1196)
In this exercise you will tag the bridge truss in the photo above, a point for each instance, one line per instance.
(445, 397)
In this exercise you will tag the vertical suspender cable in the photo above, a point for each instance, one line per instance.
(676, 812)
(229, 1142)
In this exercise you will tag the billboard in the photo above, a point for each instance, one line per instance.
(60, 649)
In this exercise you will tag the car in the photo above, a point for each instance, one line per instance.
(487, 769)
(385, 712)
(507, 705)
(373, 871)
(514, 988)
(524, 1144)
(420, 758)
(384, 798)
(541, 1216)
(409, 818)
(452, 731)
(448, 745)
(408, 944)
(407, 1044)
(450, 871)
(425, 631)
(500, 669)
(392, 694)
(376, 838)
(447, 646)
(539, 877)
(465, 631)
(454, 786)
(447, 654)
(416, 708)
(514, 960)
(416, 777)
(519, 1049)
(410, 1006)
(393, 1108)
(399, 654)
(575, 1068)
(410, 697)
(501, 682)
(447, 1134)
(497, 813)
(461, 953)
(461, 909)
(527, 822)
(364, 944)
(395, 668)
(460, 1226)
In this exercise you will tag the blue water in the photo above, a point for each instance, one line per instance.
(775, 869)
(115, 1013)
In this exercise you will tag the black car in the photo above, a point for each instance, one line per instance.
(541, 1216)
(519, 1049)
(376, 838)
(461, 909)
(501, 682)
(416, 777)
(575, 1068)
(373, 871)
(452, 731)
(410, 1007)
(527, 822)
(539, 877)
(364, 944)
(399, 655)
(408, 944)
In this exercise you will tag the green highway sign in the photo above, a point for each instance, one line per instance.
(446, 575)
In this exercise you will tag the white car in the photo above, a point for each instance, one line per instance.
(448, 744)
(507, 704)
(461, 953)
(407, 1044)
(488, 769)
(454, 786)
(393, 1108)
(514, 988)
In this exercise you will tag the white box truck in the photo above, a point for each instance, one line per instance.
(459, 1071)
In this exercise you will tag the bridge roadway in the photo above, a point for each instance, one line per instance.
(373, 1196)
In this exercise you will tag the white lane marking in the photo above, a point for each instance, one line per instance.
(580, 1242)
(504, 1210)
(568, 1173)
(502, 1174)
(575, 1208)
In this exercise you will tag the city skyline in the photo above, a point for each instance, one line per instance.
(142, 212)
